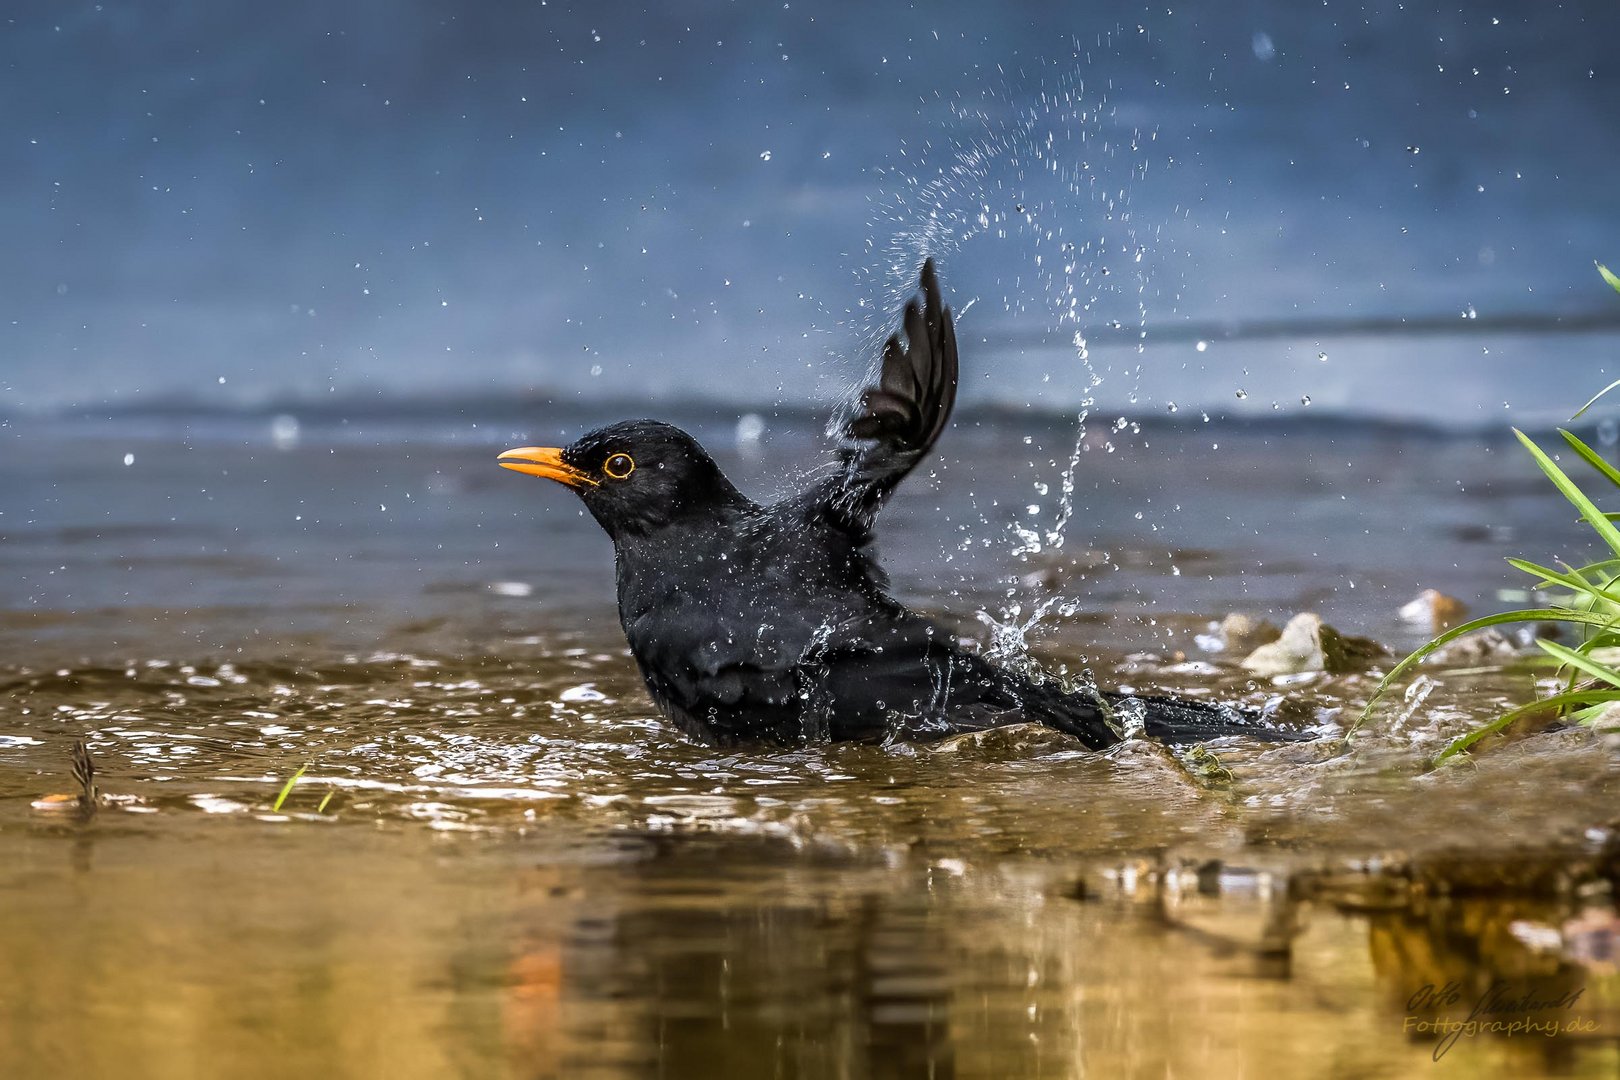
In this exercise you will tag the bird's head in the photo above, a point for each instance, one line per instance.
(635, 477)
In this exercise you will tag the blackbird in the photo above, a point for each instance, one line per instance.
(773, 624)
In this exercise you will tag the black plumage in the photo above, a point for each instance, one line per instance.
(773, 623)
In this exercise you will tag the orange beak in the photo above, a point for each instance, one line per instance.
(545, 461)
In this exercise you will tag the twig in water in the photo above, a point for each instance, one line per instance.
(84, 771)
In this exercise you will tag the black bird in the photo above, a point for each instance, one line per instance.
(773, 624)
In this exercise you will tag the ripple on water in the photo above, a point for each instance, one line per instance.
(563, 734)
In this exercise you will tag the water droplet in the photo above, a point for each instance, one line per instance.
(764, 155)
(1171, 407)
(1322, 356)
(1414, 149)
(1241, 394)
(129, 459)
(1201, 346)
(1305, 400)
(284, 431)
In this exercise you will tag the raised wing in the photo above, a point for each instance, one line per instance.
(901, 417)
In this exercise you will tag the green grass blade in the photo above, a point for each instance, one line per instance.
(1594, 399)
(1579, 661)
(286, 789)
(1526, 615)
(1577, 498)
(1537, 570)
(1593, 458)
(1572, 581)
(321, 809)
(1608, 275)
(1592, 712)
(1549, 576)
(1556, 702)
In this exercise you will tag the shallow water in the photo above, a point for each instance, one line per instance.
(500, 862)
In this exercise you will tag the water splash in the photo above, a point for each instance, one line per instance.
(1036, 179)
(1010, 632)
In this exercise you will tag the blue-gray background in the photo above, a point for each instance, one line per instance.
(266, 204)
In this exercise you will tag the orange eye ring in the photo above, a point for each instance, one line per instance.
(619, 466)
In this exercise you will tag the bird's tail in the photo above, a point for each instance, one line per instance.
(1104, 718)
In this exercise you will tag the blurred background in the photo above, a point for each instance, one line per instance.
(1390, 209)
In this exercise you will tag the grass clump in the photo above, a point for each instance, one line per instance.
(1589, 602)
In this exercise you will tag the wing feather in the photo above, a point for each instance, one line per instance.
(901, 418)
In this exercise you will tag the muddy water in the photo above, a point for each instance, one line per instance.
(498, 862)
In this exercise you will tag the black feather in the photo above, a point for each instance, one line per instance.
(901, 417)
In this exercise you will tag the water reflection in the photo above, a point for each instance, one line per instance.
(577, 948)
(690, 966)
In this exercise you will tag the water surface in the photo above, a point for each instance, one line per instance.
(499, 861)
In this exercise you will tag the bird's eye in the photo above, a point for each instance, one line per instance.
(619, 466)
